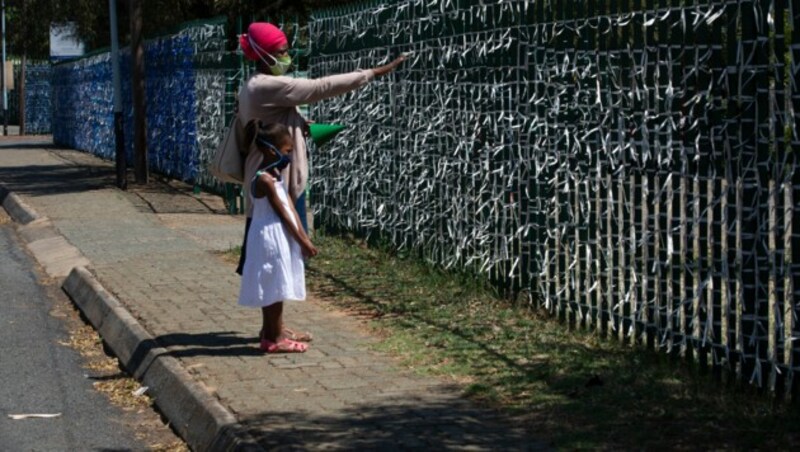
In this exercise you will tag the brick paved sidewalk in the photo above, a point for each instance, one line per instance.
(162, 266)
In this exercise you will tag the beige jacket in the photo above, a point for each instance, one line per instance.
(271, 99)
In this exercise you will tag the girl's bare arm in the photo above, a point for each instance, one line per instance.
(311, 252)
(265, 187)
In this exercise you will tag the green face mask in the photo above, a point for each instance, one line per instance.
(281, 66)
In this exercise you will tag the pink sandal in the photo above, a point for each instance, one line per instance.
(297, 336)
(283, 346)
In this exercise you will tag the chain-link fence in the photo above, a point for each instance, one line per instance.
(628, 164)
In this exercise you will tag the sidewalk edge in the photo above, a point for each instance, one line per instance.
(203, 422)
(16, 207)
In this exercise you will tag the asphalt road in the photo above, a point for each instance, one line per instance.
(37, 375)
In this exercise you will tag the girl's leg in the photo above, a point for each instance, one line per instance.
(272, 322)
(273, 340)
(264, 323)
(284, 331)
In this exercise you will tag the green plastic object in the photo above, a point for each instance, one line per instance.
(322, 133)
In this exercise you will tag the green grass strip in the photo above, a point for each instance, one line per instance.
(570, 387)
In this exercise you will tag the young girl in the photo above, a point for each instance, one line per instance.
(276, 243)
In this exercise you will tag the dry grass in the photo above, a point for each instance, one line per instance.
(116, 385)
(231, 256)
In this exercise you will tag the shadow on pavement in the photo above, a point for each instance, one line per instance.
(391, 425)
(83, 172)
(222, 343)
(26, 142)
(181, 345)
(44, 179)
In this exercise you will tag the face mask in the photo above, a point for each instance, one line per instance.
(283, 162)
(279, 67)
(283, 159)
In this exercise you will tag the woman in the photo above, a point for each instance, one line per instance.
(271, 97)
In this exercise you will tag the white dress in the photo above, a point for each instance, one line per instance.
(273, 268)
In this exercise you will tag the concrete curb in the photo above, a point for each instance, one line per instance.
(203, 422)
(16, 208)
(57, 256)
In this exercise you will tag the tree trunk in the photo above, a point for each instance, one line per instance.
(138, 90)
(21, 91)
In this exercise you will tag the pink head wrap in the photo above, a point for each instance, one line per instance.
(266, 37)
